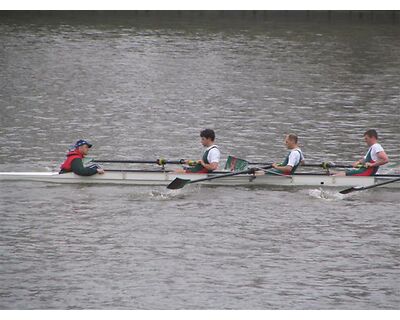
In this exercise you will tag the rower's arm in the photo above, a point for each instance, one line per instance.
(382, 159)
(284, 169)
(209, 166)
(78, 168)
(294, 159)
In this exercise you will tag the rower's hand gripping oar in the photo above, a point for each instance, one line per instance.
(352, 189)
(179, 183)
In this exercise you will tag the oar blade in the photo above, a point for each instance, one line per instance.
(350, 190)
(346, 191)
(178, 183)
(236, 164)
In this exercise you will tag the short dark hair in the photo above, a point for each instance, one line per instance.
(292, 137)
(371, 133)
(208, 134)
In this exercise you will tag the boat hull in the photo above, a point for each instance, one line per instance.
(164, 178)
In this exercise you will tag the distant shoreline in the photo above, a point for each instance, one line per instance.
(249, 16)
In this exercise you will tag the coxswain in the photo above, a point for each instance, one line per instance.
(210, 159)
(74, 161)
(369, 164)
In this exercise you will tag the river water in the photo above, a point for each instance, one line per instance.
(143, 89)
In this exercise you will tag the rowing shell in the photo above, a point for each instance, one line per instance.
(163, 178)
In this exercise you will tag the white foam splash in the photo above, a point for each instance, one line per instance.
(329, 195)
(166, 195)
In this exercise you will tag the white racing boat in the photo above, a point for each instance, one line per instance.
(164, 178)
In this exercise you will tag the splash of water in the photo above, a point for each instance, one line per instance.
(166, 195)
(329, 195)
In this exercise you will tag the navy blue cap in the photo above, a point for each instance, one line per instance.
(81, 143)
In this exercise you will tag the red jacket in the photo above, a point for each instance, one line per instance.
(72, 155)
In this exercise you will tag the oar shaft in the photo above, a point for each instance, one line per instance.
(313, 165)
(251, 170)
(138, 170)
(163, 161)
(179, 183)
(352, 189)
(380, 184)
(158, 161)
(220, 176)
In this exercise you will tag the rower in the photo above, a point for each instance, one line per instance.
(74, 161)
(210, 160)
(294, 158)
(369, 164)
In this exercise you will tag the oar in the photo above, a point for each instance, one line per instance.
(324, 165)
(233, 160)
(359, 188)
(158, 161)
(179, 183)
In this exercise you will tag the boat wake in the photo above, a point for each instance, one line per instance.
(164, 194)
(159, 194)
(329, 195)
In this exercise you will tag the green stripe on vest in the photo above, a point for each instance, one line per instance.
(198, 167)
(286, 161)
(368, 158)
